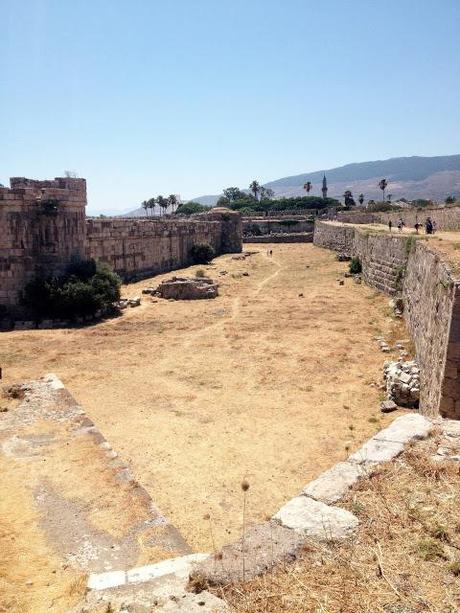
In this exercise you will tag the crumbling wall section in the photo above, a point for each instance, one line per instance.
(431, 295)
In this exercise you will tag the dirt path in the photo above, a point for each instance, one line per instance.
(259, 383)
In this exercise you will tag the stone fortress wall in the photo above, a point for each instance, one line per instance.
(43, 226)
(430, 291)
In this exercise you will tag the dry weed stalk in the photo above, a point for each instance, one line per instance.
(245, 488)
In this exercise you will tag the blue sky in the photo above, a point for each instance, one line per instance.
(147, 97)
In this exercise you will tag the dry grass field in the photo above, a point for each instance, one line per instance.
(272, 382)
(404, 558)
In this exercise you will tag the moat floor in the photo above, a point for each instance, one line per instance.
(271, 382)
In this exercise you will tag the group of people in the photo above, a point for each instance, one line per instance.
(430, 225)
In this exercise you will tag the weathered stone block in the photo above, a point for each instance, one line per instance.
(316, 519)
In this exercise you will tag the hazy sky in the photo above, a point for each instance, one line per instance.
(147, 97)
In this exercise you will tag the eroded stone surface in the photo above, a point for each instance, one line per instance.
(316, 519)
(265, 546)
(333, 484)
(405, 429)
(156, 587)
(375, 451)
(187, 288)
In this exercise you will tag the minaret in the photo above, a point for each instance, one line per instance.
(324, 188)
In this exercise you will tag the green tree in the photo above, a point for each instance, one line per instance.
(255, 189)
(172, 201)
(191, 208)
(152, 204)
(450, 200)
(162, 203)
(348, 197)
(233, 193)
(307, 187)
(383, 185)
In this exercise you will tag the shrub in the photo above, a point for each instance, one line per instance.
(202, 253)
(200, 273)
(355, 266)
(85, 288)
(288, 222)
(191, 208)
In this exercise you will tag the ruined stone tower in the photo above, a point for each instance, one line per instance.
(42, 227)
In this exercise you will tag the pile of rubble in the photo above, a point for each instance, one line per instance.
(402, 384)
(397, 304)
(185, 288)
(124, 303)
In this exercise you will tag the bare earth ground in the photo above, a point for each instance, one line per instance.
(259, 384)
(404, 558)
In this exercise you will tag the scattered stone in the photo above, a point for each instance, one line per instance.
(316, 519)
(148, 290)
(397, 304)
(342, 257)
(388, 406)
(402, 382)
(341, 282)
(134, 302)
(300, 295)
(245, 274)
(187, 288)
(357, 280)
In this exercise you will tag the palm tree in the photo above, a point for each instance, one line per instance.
(152, 204)
(162, 203)
(145, 206)
(255, 189)
(172, 200)
(307, 187)
(383, 185)
(361, 199)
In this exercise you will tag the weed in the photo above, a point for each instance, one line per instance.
(373, 420)
(429, 550)
(454, 568)
(200, 273)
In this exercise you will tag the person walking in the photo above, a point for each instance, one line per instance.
(435, 227)
(428, 226)
(390, 224)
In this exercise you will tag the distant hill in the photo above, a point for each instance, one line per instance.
(413, 177)
(409, 177)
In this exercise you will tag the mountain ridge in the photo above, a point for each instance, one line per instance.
(411, 177)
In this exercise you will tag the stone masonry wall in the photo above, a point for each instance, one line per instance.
(147, 246)
(395, 264)
(277, 226)
(43, 226)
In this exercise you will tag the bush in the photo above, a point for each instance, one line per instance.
(191, 208)
(86, 287)
(288, 222)
(200, 273)
(202, 253)
(355, 266)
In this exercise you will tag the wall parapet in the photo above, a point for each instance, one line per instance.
(398, 264)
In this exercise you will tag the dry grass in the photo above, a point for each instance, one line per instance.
(259, 383)
(404, 558)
